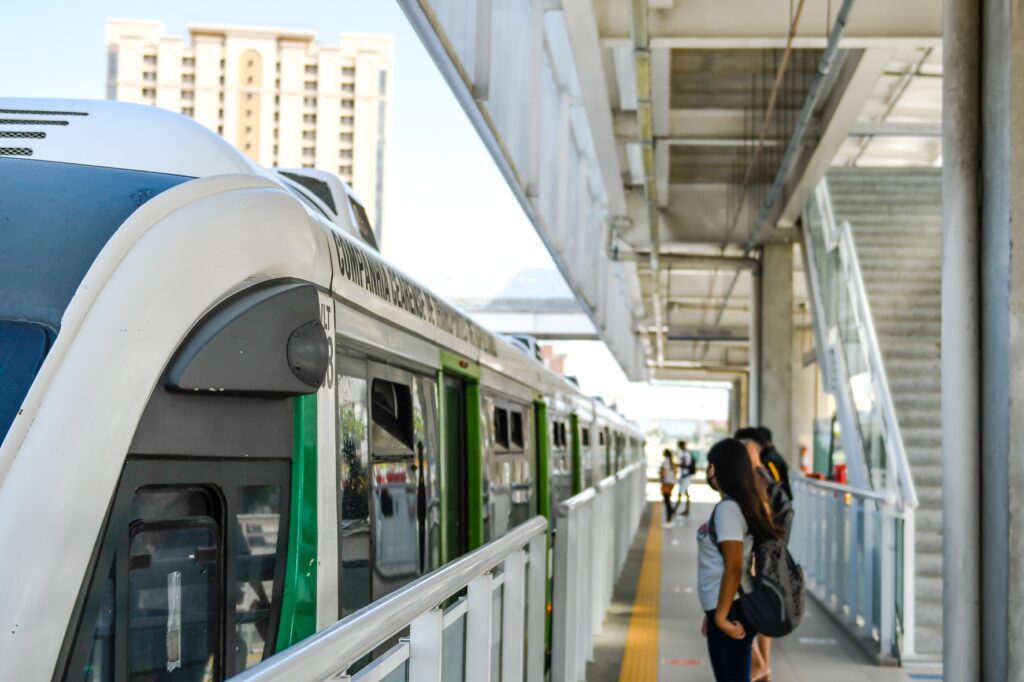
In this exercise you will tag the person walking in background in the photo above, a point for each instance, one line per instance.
(687, 468)
(774, 461)
(724, 558)
(668, 482)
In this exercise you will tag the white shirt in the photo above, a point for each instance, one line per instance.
(668, 474)
(685, 462)
(729, 525)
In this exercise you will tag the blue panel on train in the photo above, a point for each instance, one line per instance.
(22, 349)
(54, 220)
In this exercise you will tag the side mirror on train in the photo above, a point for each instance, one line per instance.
(265, 341)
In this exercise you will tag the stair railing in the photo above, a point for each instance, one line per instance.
(851, 363)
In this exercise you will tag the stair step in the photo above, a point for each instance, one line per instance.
(928, 588)
(928, 542)
(927, 475)
(928, 640)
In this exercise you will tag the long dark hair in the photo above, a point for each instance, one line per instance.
(734, 476)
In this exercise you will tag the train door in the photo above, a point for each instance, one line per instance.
(456, 481)
(396, 539)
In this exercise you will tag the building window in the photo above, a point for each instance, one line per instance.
(220, 98)
(348, 87)
(188, 111)
(222, 63)
(307, 164)
(221, 80)
(308, 151)
(248, 97)
(149, 59)
(308, 135)
(220, 130)
(149, 92)
(277, 99)
(310, 86)
(277, 117)
(347, 104)
(348, 71)
(345, 170)
(188, 95)
(345, 120)
(275, 150)
(311, 69)
(248, 113)
(188, 78)
(309, 101)
(345, 154)
(345, 137)
(220, 113)
(188, 62)
(149, 76)
(383, 83)
(309, 118)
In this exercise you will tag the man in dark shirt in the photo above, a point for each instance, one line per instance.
(775, 462)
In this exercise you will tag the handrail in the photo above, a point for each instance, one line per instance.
(877, 365)
(840, 488)
(841, 237)
(331, 651)
(577, 500)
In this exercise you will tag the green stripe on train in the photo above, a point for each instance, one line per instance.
(298, 601)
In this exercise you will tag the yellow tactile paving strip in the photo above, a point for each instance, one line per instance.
(640, 660)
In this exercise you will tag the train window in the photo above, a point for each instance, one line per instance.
(363, 223)
(428, 485)
(564, 437)
(585, 437)
(391, 413)
(354, 492)
(600, 438)
(516, 434)
(171, 558)
(100, 667)
(173, 615)
(501, 427)
(257, 524)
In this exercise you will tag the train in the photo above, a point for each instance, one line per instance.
(226, 421)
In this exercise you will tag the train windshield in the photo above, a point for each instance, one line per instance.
(54, 220)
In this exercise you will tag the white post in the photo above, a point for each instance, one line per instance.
(560, 637)
(425, 634)
(512, 617)
(478, 628)
(536, 612)
(887, 550)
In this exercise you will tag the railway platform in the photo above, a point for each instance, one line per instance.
(652, 630)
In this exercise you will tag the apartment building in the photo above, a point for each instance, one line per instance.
(275, 93)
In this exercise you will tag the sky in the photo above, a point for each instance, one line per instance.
(446, 203)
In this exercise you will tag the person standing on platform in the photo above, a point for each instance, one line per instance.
(775, 462)
(668, 482)
(725, 547)
(687, 468)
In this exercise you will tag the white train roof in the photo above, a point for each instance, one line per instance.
(116, 135)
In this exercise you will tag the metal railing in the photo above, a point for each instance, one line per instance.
(849, 543)
(593, 532)
(848, 331)
(464, 640)
(853, 371)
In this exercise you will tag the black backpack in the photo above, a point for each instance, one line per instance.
(780, 504)
(775, 605)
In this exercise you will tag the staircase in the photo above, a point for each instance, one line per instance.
(896, 219)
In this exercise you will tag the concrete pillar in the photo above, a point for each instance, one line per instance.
(982, 349)
(776, 348)
(754, 374)
(805, 386)
(962, 635)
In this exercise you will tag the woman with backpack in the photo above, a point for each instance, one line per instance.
(725, 556)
